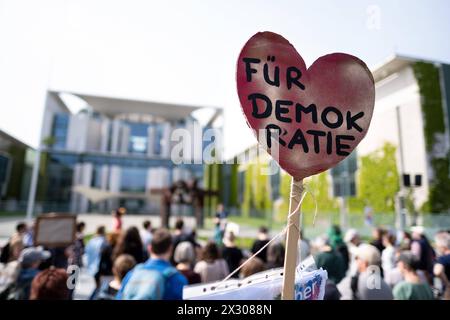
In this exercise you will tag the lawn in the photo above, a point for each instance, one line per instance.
(8, 214)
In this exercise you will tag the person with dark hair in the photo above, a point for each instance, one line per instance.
(117, 218)
(424, 252)
(108, 289)
(50, 284)
(130, 243)
(93, 251)
(212, 267)
(105, 268)
(179, 236)
(412, 288)
(377, 241)
(77, 249)
(389, 252)
(21, 228)
(260, 242)
(231, 253)
(156, 279)
(146, 233)
(275, 256)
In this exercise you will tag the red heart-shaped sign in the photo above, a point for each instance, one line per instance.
(316, 116)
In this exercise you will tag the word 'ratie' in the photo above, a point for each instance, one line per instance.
(331, 117)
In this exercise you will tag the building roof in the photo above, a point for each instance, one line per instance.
(112, 107)
(393, 64)
(12, 139)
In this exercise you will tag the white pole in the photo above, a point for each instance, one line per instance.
(33, 185)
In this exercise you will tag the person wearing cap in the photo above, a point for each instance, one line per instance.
(412, 287)
(368, 283)
(30, 259)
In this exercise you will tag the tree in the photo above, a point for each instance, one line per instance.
(378, 178)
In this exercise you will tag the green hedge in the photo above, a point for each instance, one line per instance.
(427, 76)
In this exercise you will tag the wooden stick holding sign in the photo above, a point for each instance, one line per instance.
(293, 233)
(311, 118)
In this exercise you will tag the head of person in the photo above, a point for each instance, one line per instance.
(50, 284)
(80, 227)
(388, 239)
(119, 212)
(352, 237)
(275, 254)
(147, 225)
(321, 243)
(210, 252)
(253, 266)
(417, 232)
(263, 232)
(21, 228)
(129, 239)
(407, 262)
(377, 233)
(122, 264)
(229, 238)
(335, 236)
(161, 244)
(220, 207)
(100, 231)
(32, 257)
(179, 224)
(15, 248)
(113, 238)
(193, 234)
(184, 253)
(442, 241)
(367, 255)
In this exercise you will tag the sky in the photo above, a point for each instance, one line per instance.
(186, 51)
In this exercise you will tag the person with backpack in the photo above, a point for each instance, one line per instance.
(156, 279)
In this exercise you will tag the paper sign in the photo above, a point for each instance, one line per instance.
(55, 230)
(262, 286)
(315, 116)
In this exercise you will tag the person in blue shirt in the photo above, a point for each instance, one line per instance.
(93, 250)
(155, 279)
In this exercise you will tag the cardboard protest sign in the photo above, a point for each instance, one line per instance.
(311, 118)
(55, 230)
(320, 114)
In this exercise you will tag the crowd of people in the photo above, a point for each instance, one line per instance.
(141, 263)
(403, 266)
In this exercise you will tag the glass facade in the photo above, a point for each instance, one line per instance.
(96, 180)
(119, 162)
(4, 163)
(59, 177)
(138, 138)
(133, 179)
(59, 130)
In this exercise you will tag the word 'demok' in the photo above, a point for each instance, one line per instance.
(316, 116)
